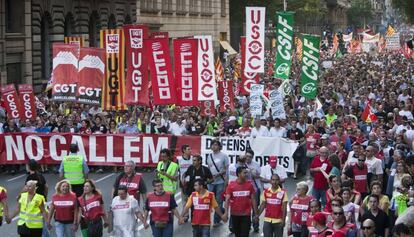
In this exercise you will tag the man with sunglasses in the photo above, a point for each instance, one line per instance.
(358, 173)
(339, 224)
(380, 218)
(194, 172)
(368, 228)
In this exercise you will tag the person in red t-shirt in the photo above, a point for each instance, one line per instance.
(92, 210)
(240, 196)
(320, 185)
(64, 208)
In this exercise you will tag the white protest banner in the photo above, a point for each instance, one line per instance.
(393, 42)
(263, 147)
(255, 39)
(276, 104)
(256, 104)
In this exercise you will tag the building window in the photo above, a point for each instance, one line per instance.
(194, 7)
(94, 28)
(223, 7)
(14, 73)
(180, 7)
(128, 20)
(45, 46)
(112, 22)
(150, 6)
(14, 16)
(69, 25)
(167, 6)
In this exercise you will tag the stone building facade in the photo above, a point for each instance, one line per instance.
(28, 28)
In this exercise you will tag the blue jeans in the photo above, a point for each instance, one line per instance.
(201, 231)
(45, 231)
(257, 196)
(217, 189)
(320, 194)
(63, 230)
(162, 232)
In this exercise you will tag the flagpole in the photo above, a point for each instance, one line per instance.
(284, 5)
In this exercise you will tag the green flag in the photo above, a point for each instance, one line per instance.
(338, 53)
(310, 66)
(284, 44)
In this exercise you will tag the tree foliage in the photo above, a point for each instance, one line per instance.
(406, 7)
(360, 13)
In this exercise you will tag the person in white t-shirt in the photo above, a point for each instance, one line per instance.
(268, 170)
(125, 211)
(374, 164)
(277, 130)
(177, 127)
(259, 130)
(184, 162)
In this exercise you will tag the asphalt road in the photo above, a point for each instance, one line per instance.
(105, 181)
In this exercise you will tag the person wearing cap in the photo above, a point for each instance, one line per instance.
(132, 180)
(232, 128)
(74, 169)
(259, 130)
(319, 228)
(268, 170)
(274, 202)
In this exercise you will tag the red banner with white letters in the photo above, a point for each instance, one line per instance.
(162, 79)
(65, 71)
(185, 54)
(11, 101)
(27, 101)
(207, 108)
(136, 82)
(226, 95)
(248, 78)
(91, 75)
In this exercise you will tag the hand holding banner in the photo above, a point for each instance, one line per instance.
(310, 66)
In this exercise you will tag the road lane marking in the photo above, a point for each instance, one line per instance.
(103, 178)
(18, 177)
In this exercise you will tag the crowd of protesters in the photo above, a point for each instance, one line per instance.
(361, 170)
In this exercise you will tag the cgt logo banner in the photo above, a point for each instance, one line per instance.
(185, 54)
(65, 72)
(207, 88)
(248, 78)
(263, 148)
(162, 79)
(27, 100)
(284, 48)
(226, 95)
(113, 87)
(91, 76)
(255, 39)
(11, 101)
(310, 66)
(136, 82)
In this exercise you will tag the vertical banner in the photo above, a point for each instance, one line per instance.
(207, 108)
(136, 81)
(310, 66)
(255, 39)
(113, 87)
(248, 78)
(185, 54)
(207, 88)
(11, 101)
(276, 104)
(256, 104)
(162, 80)
(91, 75)
(226, 95)
(284, 48)
(27, 100)
(65, 72)
(77, 40)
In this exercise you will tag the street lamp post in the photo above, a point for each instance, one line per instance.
(284, 5)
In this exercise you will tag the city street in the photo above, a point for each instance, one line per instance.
(105, 181)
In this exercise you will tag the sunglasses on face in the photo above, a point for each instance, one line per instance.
(366, 227)
(338, 213)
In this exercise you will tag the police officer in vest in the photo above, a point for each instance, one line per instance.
(74, 169)
(31, 211)
(167, 171)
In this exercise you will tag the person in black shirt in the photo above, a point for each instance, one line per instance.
(99, 127)
(42, 187)
(380, 218)
(233, 126)
(196, 171)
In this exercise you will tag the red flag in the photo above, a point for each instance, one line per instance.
(185, 54)
(207, 108)
(91, 75)
(27, 100)
(226, 95)
(162, 81)
(65, 71)
(247, 78)
(368, 116)
(11, 101)
(136, 84)
(406, 51)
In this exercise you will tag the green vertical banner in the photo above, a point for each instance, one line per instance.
(284, 45)
(310, 66)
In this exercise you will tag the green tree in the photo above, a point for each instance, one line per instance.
(406, 7)
(360, 13)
